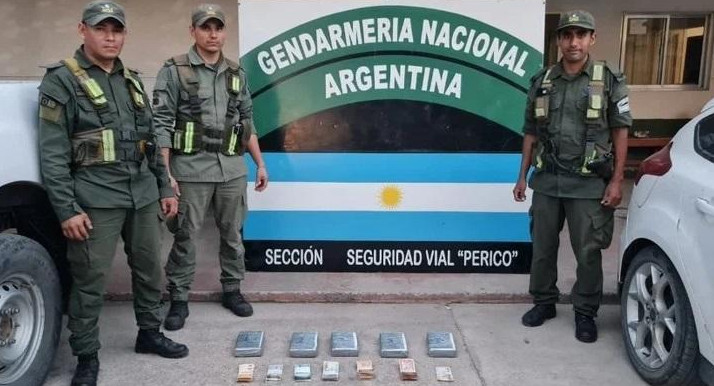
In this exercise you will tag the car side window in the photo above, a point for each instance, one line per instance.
(704, 138)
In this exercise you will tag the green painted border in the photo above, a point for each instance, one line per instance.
(259, 79)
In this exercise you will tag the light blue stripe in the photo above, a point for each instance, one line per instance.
(387, 226)
(390, 167)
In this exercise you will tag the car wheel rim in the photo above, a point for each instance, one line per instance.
(22, 315)
(650, 315)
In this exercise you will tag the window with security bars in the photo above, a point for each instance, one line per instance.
(665, 49)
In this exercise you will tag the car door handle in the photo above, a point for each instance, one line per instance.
(705, 207)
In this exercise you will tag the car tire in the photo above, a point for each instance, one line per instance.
(30, 311)
(658, 327)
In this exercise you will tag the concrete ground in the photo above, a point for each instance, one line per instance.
(482, 310)
(493, 348)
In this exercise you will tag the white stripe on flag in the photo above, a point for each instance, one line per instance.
(407, 197)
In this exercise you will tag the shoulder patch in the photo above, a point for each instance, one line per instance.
(48, 102)
(50, 110)
(623, 105)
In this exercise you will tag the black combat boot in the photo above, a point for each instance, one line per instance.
(154, 342)
(177, 315)
(585, 328)
(235, 302)
(538, 314)
(87, 370)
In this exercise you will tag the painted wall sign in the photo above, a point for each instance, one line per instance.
(391, 130)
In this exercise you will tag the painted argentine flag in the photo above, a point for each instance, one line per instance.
(388, 197)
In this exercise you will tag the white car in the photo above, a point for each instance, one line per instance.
(667, 260)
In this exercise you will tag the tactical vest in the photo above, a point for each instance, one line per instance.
(190, 134)
(595, 111)
(108, 144)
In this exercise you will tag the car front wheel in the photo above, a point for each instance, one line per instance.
(657, 322)
(30, 311)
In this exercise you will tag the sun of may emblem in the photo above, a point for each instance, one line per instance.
(390, 197)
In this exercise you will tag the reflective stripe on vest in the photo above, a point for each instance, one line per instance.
(188, 137)
(596, 94)
(88, 84)
(194, 142)
(596, 91)
(108, 145)
(593, 114)
(542, 107)
(95, 92)
(135, 89)
(235, 84)
(542, 102)
(231, 150)
(130, 144)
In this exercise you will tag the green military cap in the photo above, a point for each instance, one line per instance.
(579, 18)
(205, 12)
(98, 11)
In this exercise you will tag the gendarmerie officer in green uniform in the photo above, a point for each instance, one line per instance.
(204, 117)
(104, 181)
(575, 135)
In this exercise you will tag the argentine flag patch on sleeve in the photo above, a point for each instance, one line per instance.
(623, 106)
